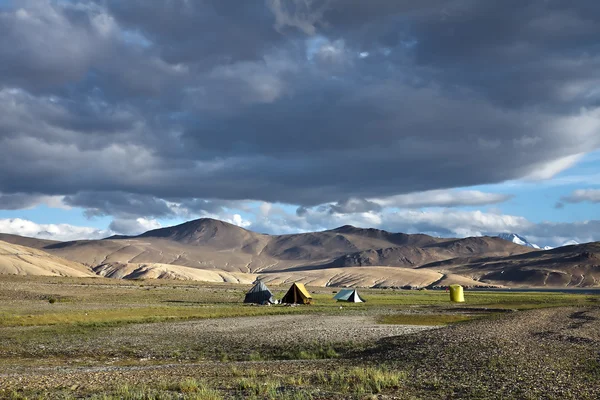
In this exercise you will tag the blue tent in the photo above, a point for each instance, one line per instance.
(349, 295)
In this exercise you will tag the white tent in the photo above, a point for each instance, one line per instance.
(349, 296)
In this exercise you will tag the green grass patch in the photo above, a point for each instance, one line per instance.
(359, 381)
(119, 316)
(308, 353)
(591, 369)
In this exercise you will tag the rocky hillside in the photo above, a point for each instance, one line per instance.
(320, 257)
(568, 266)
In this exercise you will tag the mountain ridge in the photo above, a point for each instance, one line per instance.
(521, 240)
(212, 245)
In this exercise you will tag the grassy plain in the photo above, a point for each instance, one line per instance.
(102, 338)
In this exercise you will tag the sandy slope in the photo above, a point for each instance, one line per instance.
(365, 277)
(19, 260)
(168, 271)
(337, 277)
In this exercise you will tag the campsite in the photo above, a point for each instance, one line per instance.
(108, 339)
(299, 199)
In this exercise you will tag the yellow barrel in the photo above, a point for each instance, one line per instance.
(456, 294)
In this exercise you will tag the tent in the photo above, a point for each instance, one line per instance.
(297, 295)
(349, 295)
(259, 294)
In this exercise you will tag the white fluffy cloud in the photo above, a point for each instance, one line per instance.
(583, 195)
(61, 232)
(444, 222)
(455, 222)
(442, 198)
(134, 226)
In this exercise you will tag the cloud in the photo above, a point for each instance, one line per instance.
(19, 201)
(26, 34)
(238, 220)
(158, 109)
(133, 226)
(123, 205)
(443, 198)
(432, 198)
(129, 207)
(61, 232)
(582, 196)
(351, 206)
(455, 223)
(303, 15)
(443, 222)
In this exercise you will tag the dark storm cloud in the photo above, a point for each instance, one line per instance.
(119, 204)
(19, 201)
(128, 206)
(516, 53)
(206, 32)
(298, 102)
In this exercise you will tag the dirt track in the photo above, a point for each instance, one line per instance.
(272, 330)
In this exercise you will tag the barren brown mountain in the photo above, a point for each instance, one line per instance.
(26, 241)
(208, 249)
(568, 266)
(20, 260)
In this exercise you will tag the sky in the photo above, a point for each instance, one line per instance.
(448, 117)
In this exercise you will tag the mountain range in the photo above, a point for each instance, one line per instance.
(212, 250)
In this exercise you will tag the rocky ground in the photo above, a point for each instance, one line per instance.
(218, 339)
(132, 352)
(539, 354)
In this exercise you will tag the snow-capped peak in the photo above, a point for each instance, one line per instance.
(570, 243)
(517, 239)
(521, 240)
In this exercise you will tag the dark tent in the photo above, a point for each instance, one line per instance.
(349, 295)
(259, 294)
(297, 295)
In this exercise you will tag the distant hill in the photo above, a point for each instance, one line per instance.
(20, 260)
(217, 250)
(212, 233)
(26, 241)
(567, 266)
(414, 256)
(207, 243)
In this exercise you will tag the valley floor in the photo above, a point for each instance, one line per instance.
(97, 340)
